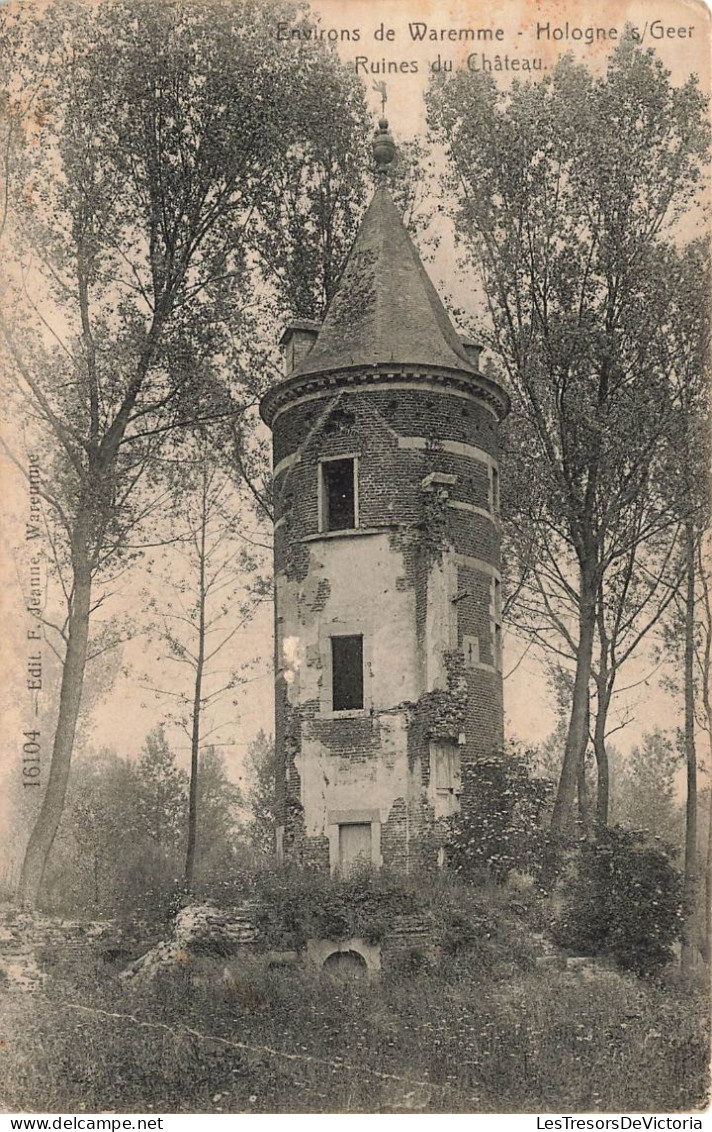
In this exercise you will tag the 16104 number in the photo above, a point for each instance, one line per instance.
(31, 758)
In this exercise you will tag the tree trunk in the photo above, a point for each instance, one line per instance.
(708, 888)
(706, 668)
(599, 750)
(48, 819)
(193, 795)
(583, 806)
(689, 887)
(197, 701)
(577, 738)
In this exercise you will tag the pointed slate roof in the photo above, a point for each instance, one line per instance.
(385, 308)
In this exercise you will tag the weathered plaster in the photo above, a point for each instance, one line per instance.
(351, 586)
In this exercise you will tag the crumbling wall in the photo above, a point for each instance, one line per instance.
(414, 578)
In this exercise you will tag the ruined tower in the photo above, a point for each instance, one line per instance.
(387, 554)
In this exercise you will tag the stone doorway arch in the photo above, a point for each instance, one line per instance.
(349, 958)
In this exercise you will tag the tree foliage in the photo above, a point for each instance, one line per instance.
(566, 193)
(209, 589)
(645, 791)
(161, 808)
(314, 201)
(686, 627)
(261, 797)
(500, 826)
(220, 842)
(625, 903)
(142, 141)
(121, 842)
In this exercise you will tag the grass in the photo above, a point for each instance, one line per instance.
(462, 1039)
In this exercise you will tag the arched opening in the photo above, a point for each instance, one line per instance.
(346, 965)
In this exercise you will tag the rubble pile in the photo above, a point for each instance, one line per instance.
(199, 930)
(26, 935)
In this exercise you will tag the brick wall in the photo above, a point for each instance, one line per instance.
(400, 437)
(408, 412)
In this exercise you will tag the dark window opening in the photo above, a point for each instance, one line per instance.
(495, 491)
(346, 673)
(498, 647)
(339, 495)
(346, 965)
(496, 619)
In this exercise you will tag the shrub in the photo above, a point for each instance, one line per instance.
(464, 931)
(410, 963)
(625, 903)
(294, 906)
(499, 828)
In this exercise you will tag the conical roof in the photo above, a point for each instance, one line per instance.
(385, 309)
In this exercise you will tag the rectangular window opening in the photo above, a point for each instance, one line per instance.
(347, 673)
(494, 490)
(338, 494)
(471, 651)
(496, 613)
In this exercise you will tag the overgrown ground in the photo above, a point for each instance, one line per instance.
(485, 1032)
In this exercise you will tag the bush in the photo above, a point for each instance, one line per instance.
(625, 903)
(294, 906)
(499, 828)
(409, 964)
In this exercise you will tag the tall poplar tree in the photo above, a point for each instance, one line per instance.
(566, 193)
(139, 143)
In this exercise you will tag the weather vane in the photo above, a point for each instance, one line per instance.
(380, 88)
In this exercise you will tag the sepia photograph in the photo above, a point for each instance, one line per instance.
(356, 554)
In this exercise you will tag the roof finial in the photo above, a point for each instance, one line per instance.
(384, 149)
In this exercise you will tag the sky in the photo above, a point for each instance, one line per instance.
(520, 31)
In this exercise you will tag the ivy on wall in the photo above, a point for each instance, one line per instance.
(442, 710)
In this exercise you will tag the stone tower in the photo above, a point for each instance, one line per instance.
(387, 553)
